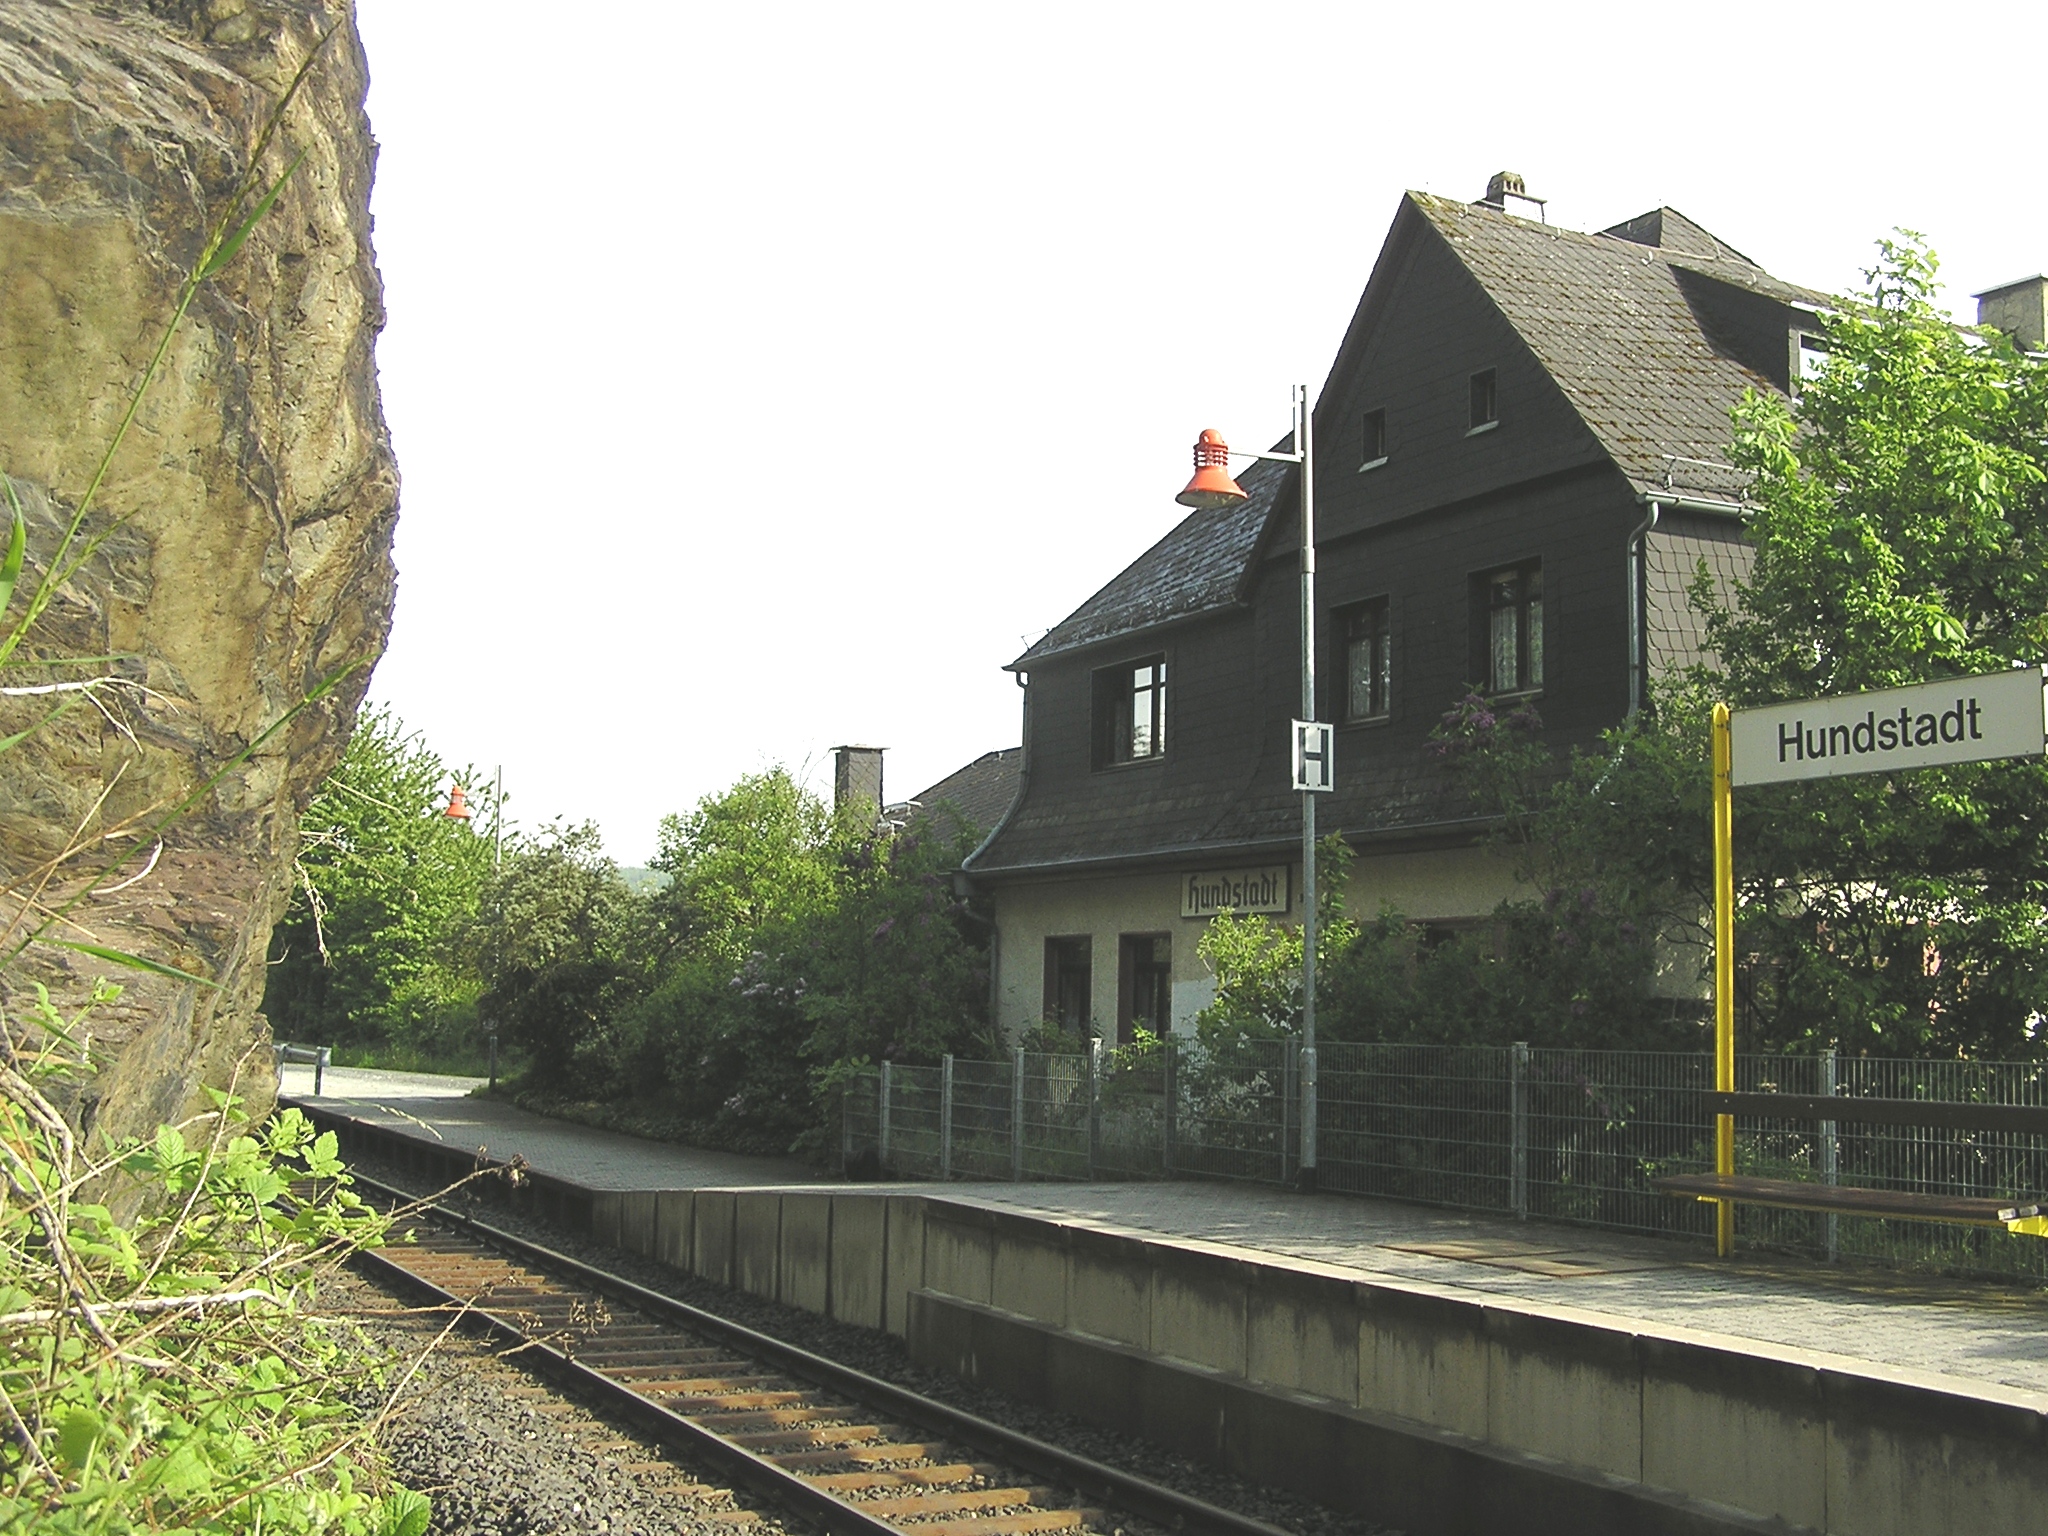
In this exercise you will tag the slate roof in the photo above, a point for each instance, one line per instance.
(1607, 314)
(1611, 320)
(978, 794)
(1200, 565)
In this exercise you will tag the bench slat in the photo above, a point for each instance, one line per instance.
(1848, 1199)
(2024, 1119)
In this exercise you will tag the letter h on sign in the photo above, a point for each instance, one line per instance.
(1312, 756)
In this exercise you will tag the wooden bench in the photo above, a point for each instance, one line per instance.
(1854, 1200)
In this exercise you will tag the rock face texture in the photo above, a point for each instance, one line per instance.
(245, 523)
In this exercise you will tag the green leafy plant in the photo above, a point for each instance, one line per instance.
(165, 1374)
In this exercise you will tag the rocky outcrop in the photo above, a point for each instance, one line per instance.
(246, 521)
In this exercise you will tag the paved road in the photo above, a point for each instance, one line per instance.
(1947, 1328)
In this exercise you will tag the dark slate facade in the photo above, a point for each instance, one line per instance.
(1614, 360)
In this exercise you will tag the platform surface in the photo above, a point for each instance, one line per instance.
(1959, 1330)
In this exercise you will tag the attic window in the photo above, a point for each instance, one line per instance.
(1373, 449)
(1485, 411)
(1812, 353)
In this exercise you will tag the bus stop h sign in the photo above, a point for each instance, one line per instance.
(1962, 720)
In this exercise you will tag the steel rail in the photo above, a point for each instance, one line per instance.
(1135, 1495)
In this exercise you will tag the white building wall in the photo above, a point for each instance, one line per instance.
(1441, 885)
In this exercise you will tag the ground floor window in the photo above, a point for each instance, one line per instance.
(1069, 984)
(1144, 985)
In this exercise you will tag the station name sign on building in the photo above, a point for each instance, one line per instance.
(1235, 890)
(1963, 720)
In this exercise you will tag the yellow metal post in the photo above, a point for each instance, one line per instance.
(1724, 969)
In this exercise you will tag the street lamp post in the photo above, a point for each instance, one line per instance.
(1212, 488)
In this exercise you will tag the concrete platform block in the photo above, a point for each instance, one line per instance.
(675, 1215)
(604, 1217)
(1028, 1272)
(1423, 1357)
(1738, 1429)
(756, 1241)
(712, 1235)
(859, 1259)
(1432, 1482)
(804, 1271)
(959, 1251)
(1561, 1389)
(1985, 1471)
(1109, 1293)
(903, 1266)
(1301, 1333)
(1198, 1307)
(637, 1233)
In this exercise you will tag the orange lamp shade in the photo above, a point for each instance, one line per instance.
(1212, 486)
(458, 804)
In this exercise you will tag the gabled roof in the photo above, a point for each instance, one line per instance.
(1200, 565)
(1611, 318)
(1620, 319)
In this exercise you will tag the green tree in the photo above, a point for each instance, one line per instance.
(384, 880)
(753, 856)
(1902, 536)
(561, 942)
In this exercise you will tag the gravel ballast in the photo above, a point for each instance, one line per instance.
(500, 1454)
(884, 1355)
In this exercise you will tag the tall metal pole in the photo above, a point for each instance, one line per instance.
(1304, 446)
(1724, 969)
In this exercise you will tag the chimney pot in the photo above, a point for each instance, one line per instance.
(2019, 309)
(1507, 191)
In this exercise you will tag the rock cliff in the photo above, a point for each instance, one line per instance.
(247, 519)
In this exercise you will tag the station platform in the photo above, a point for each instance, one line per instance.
(1783, 1396)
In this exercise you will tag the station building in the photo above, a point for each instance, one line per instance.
(1520, 464)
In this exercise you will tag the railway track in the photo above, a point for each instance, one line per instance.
(850, 1452)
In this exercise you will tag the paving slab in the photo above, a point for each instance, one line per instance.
(1960, 1330)
(440, 1110)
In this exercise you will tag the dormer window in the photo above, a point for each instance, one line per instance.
(1373, 449)
(1485, 406)
(1811, 352)
(1130, 712)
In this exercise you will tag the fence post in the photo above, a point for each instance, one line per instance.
(882, 1116)
(1518, 1129)
(494, 1061)
(1017, 1115)
(1287, 1050)
(1094, 1101)
(1169, 1116)
(945, 1117)
(845, 1126)
(1830, 1151)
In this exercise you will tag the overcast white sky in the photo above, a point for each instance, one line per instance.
(764, 378)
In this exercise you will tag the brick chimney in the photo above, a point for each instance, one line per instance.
(857, 778)
(2019, 309)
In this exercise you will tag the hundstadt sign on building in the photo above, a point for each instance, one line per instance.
(1235, 890)
(1962, 720)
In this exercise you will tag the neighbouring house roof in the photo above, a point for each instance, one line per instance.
(1200, 565)
(978, 794)
(1618, 318)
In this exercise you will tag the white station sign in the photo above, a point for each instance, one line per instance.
(1962, 720)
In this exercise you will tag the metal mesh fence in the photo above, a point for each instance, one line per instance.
(1557, 1134)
